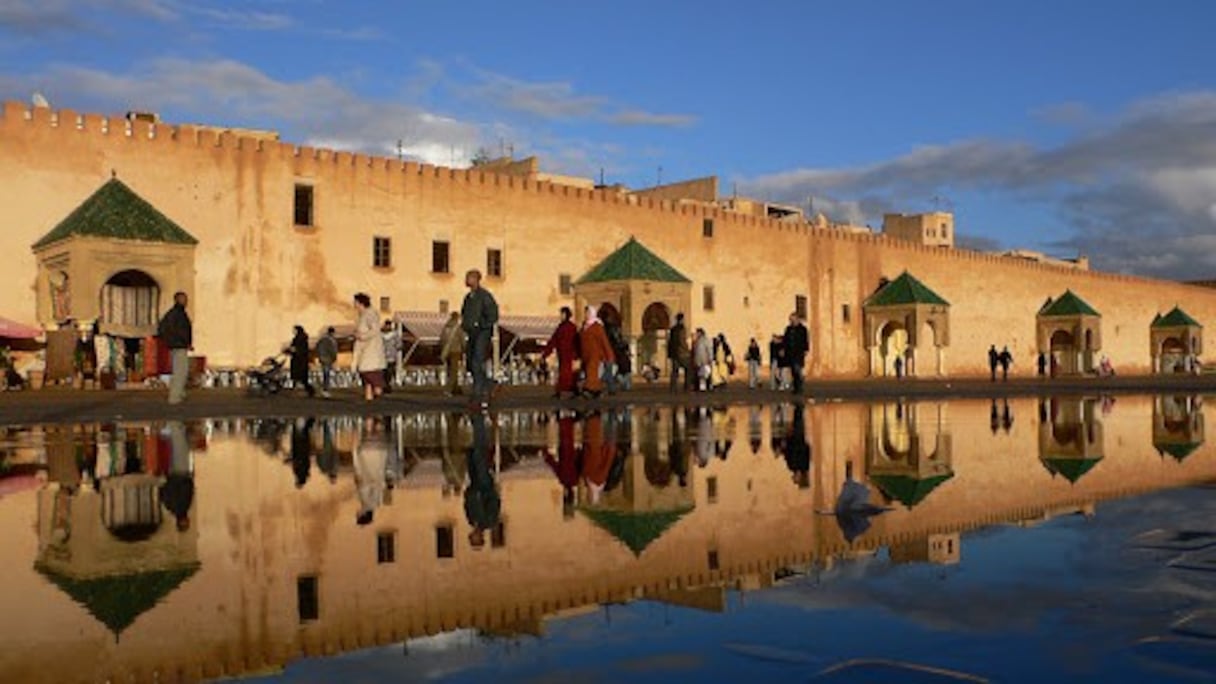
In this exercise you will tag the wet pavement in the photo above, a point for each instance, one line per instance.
(1065, 538)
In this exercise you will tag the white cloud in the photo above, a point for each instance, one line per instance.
(227, 92)
(1140, 192)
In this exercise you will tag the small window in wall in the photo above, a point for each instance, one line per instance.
(800, 306)
(498, 535)
(303, 205)
(441, 257)
(386, 305)
(845, 313)
(712, 560)
(386, 547)
(707, 298)
(565, 284)
(444, 306)
(308, 605)
(711, 489)
(494, 263)
(707, 228)
(445, 542)
(382, 252)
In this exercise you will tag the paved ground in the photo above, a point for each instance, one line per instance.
(70, 406)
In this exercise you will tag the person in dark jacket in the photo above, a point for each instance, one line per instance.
(478, 317)
(177, 492)
(299, 360)
(678, 353)
(177, 333)
(798, 451)
(753, 364)
(797, 344)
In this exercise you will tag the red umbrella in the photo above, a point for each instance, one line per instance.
(10, 329)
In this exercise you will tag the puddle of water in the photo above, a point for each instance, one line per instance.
(897, 541)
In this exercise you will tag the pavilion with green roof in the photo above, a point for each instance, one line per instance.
(1178, 425)
(1071, 435)
(905, 320)
(1176, 341)
(1069, 331)
(113, 260)
(643, 288)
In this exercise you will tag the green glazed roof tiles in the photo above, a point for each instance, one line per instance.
(1068, 304)
(633, 262)
(636, 530)
(115, 211)
(1176, 318)
(909, 491)
(905, 289)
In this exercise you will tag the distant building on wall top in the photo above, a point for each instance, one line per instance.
(933, 229)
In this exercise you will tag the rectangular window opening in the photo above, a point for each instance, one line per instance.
(845, 313)
(307, 601)
(711, 489)
(498, 535)
(386, 547)
(707, 298)
(707, 228)
(382, 252)
(386, 305)
(444, 306)
(494, 263)
(303, 205)
(565, 284)
(712, 560)
(441, 257)
(800, 306)
(445, 542)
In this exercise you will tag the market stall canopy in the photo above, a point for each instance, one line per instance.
(12, 330)
(422, 326)
(536, 328)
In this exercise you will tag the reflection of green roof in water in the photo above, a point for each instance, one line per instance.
(1179, 451)
(118, 600)
(1070, 469)
(909, 491)
(635, 530)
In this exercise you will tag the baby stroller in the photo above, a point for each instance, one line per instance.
(268, 378)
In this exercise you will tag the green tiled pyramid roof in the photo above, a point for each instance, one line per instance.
(635, 530)
(1176, 318)
(1179, 451)
(905, 289)
(1070, 469)
(633, 262)
(117, 601)
(1068, 305)
(909, 491)
(115, 211)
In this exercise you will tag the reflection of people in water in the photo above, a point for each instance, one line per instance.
(482, 504)
(597, 456)
(327, 459)
(455, 462)
(301, 449)
(371, 460)
(566, 464)
(177, 492)
(705, 437)
(798, 450)
(677, 449)
(1006, 416)
(994, 418)
(754, 431)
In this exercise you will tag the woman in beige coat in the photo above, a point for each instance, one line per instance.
(369, 348)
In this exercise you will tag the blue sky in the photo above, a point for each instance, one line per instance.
(1061, 126)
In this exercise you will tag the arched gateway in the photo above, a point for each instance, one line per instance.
(906, 325)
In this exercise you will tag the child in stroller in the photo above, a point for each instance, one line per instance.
(270, 377)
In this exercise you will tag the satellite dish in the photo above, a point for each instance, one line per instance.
(40, 100)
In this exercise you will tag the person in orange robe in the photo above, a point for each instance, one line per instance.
(595, 350)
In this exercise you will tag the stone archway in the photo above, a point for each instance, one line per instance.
(656, 316)
(893, 344)
(129, 303)
(1063, 353)
(656, 321)
(1069, 331)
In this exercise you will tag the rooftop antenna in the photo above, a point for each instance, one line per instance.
(659, 176)
(601, 176)
(400, 150)
(939, 202)
(39, 100)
